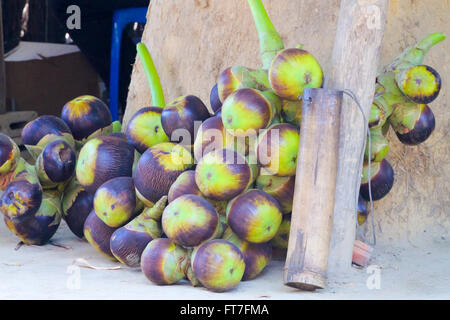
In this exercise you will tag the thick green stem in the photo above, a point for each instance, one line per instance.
(429, 41)
(270, 41)
(152, 76)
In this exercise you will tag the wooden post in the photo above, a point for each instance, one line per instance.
(2, 67)
(315, 189)
(354, 64)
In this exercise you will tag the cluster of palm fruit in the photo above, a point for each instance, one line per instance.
(35, 197)
(402, 93)
(176, 201)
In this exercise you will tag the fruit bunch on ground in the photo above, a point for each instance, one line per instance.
(210, 205)
(402, 94)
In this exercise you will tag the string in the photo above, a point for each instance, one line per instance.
(350, 93)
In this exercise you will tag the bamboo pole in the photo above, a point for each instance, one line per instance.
(315, 188)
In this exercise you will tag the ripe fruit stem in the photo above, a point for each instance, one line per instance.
(152, 75)
(270, 41)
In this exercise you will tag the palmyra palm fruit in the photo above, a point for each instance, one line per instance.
(115, 201)
(164, 262)
(379, 146)
(256, 255)
(420, 83)
(185, 184)
(120, 135)
(40, 227)
(178, 118)
(85, 115)
(144, 130)
(56, 163)
(281, 239)
(413, 123)
(362, 211)
(210, 136)
(189, 220)
(246, 109)
(254, 216)
(128, 242)
(77, 203)
(293, 70)
(98, 234)
(22, 197)
(214, 100)
(239, 77)
(158, 168)
(291, 111)
(381, 181)
(102, 159)
(281, 188)
(223, 174)
(277, 149)
(218, 264)
(9, 154)
(42, 130)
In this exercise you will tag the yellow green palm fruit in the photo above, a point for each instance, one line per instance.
(158, 168)
(254, 216)
(104, 158)
(184, 184)
(214, 100)
(56, 163)
(77, 203)
(281, 188)
(291, 111)
(98, 234)
(256, 255)
(379, 146)
(246, 110)
(42, 225)
(419, 83)
(115, 201)
(164, 262)
(239, 77)
(211, 136)
(9, 154)
(270, 41)
(144, 130)
(277, 149)
(293, 70)
(223, 174)
(189, 220)
(381, 181)
(362, 211)
(42, 130)
(22, 197)
(179, 118)
(128, 242)
(218, 265)
(87, 117)
(413, 123)
(281, 239)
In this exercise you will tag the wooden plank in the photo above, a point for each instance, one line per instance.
(354, 64)
(315, 188)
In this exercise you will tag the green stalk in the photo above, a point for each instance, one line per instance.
(152, 75)
(414, 55)
(270, 41)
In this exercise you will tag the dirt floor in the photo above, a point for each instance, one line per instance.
(49, 272)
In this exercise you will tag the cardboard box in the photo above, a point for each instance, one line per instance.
(42, 77)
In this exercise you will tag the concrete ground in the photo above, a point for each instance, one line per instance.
(48, 272)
